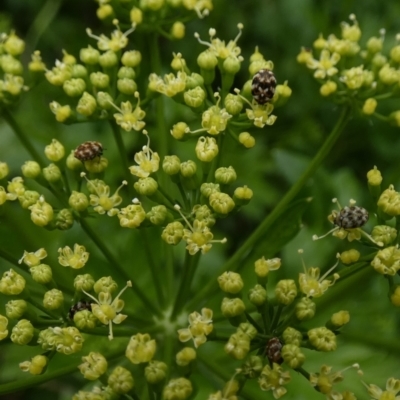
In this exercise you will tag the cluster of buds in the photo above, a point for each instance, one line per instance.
(353, 74)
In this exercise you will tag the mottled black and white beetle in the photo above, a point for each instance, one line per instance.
(263, 86)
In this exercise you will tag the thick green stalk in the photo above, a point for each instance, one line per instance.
(235, 261)
(23, 138)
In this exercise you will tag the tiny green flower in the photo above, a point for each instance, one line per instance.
(252, 367)
(179, 130)
(41, 212)
(15, 309)
(305, 308)
(247, 140)
(157, 215)
(233, 104)
(140, 349)
(85, 320)
(78, 201)
(170, 85)
(221, 203)
(66, 340)
(185, 356)
(286, 291)
(258, 295)
(86, 105)
(394, 298)
(36, 65)
(64, 219)
(177, 389)
(392, 388)
(12, 283)
(325, 380)
(89, 55)
(171, 165)
(132, 215)
(53, 299)
(292, 336)
(31, 169)
(83, 282)
(389, 202)
(147, 160)
(230, 282)
(105, 284)
(99, 80)
(120, 380)
(74, 87)
(3, 327)
(129, 118)
(194, 97)
(23, 332)
(214, 120)
(75, 259)
(340, 318)
(41, 273)
(273, 379)
(36, 366)
(206, 149)
(34, 258)
(155, 372)
(263, 266)
(369, 106)
(350, 256)
(225, 176)
(131, 58)
(54, 151)
(173, 233)
(200, 326)
(292, 356)
(51, 173)
(387, 261)
(232, 307)
(178, 30)
(322, 339)
(102, 201)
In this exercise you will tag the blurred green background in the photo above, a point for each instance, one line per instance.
(279, 28)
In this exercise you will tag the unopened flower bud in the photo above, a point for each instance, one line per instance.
(62, 113)
(23, 332)
(231, 65)
(64, 219)
(141, 348)
(99, 80)
(305, 309)
(232, 307)
(155, 372)
(340, 318)
(374, 44)
(41, 273)
(74, 87)
(322, 339)
(86, 105)
(120, 380)
(369, 106)
(97, 165)
(51, 173)
(395, 53)
(179, 130)
(173, 233)
(206, 149)
(126, 72)
(177, 389)
(387, 261)
(78, 201)
(258, 295)
(194, 97)
(15, 309)
(221, 203)
(389, 202)
(85, 320)
(207, 60)
(72, 162)
(3, 327)
(225, 176)
(11, 283)
(328, 88)
(292, 336)
(185, 356)
(178, 30)
(206, 189)
(157, 215)
(171, 165)
(105, 284)
(41, 212)
(286, 291)
(79, 71)
(126, 86)
(131, 58)
(94, 365)
(384, 234)
(53, 299)
(252, 367)
(263, 266)
(394, 297)
(54, 151)
(242, 195)
(104, 11)
(292, 356)
(36, 366)
(108, 59)
(350, 256)
(31, 169)
(146, 186)
(230, 282)
(83, 282)
(238, 346)
(89, 55)
(247, 140)
(188, 168)
(233, 104)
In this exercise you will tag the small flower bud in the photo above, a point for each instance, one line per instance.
(104, 11)
(232, 307)
(155, 372)
(146, 186)
(340, 318)
(131, 58)
(252, 367)
(89, 55)
(11, 283)
(247, 140)
(85, 320)
(328, 88)
(305, 309)
(292, 356)
(177, 389)
(97, 165)
(322, 339)
(31, 169)
(15, 309)
(221, 203)
(179, 131)
(242, 195)
(126, 86)
(387, 261)
(238, 346)
(292, 336)
(83, 282)
(394, 118)
(231, 65)
(247, 329)
(389, 202)
(173, 233)
(79, 71)
(233, 104)
(286, 291)
(379, 60)
(178, 30)
(13, 45)
(74, 87)
(194, 97)
(140, 349)
(185, 356)
(126, 72)
(62, 113)
(374, 44)
(258, 295)
(225, 176)
(78, 201)
(86, 105)
(36, 366)
(230, 282)
(64, 219)
(99, 80)
(52, 173)
(171, 165)
(23, 332)
(72, 162)
(369, 106)
(207, 189)
(54, 151)
(53, 299)
(263, 266)
(105, 284)
(4, 170)
(188, 169)
(157, 215)
(395, 53)
(350, 256)
(384, 234)
(206, 149)
(108, 59)
(207, 60)
(28, 198)
(42, 274)
(120, 380)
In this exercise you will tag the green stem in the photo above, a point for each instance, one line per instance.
(23, 138)
(189, 269)
(120, 145)
(116, 265)
(234, 262)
